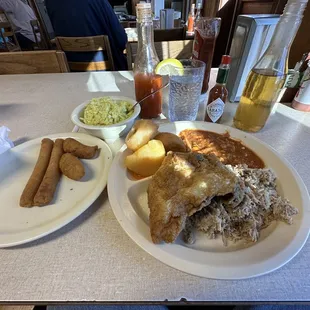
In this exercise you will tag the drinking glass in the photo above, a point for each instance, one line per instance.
(185, 90)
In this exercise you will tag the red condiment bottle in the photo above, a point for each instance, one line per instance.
(206, 31)
(218, 94)
(146, 81)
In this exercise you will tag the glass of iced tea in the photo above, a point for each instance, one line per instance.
(145, 84)
(206, 32)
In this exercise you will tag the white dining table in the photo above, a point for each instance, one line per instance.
(92, 259)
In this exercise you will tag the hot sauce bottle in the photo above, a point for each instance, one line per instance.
(218, 94)
(146, 81)
(191, 19)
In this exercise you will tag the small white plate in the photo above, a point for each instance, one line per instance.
(278, 244)
(21, 225)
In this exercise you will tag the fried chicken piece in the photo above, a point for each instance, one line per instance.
(183, 185)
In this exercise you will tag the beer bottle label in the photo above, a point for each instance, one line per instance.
(215, 109)
(303, 94)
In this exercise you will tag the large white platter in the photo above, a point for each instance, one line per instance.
(21, 225)
(278, 244)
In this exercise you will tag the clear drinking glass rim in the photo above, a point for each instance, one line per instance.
(184, 69)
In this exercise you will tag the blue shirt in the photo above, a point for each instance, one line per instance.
(83, 18)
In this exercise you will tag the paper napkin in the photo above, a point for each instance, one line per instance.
(5, 142)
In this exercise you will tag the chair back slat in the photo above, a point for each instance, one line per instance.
(87, 44)
(164, 50)
(174, 34)
(33, 62)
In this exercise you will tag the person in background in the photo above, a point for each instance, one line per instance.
(20, 15)
(72, 18)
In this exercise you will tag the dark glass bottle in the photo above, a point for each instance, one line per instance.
(218, 94)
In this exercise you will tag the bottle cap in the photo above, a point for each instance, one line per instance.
(144, 11)
(226, 59)
(143, 5)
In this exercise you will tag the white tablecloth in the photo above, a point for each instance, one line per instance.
(92, 258)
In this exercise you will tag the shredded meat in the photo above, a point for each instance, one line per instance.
(254, 205)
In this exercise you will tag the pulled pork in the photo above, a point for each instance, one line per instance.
(254, 205)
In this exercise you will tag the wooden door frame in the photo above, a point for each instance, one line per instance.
(210, 8)
(278, 6)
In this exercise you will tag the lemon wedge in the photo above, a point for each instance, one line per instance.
(170, 66)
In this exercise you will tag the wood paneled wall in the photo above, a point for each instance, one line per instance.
(210, 8)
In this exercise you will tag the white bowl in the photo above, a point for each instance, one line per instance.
(110, 132)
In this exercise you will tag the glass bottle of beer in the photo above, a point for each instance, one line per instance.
(267, 77)
(146, 81)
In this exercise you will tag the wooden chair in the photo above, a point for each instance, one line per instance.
(170, 49)
(33, 62)
(174, 34)
(36, 29)
(10, 43)
(128, 24)
(87, 44)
